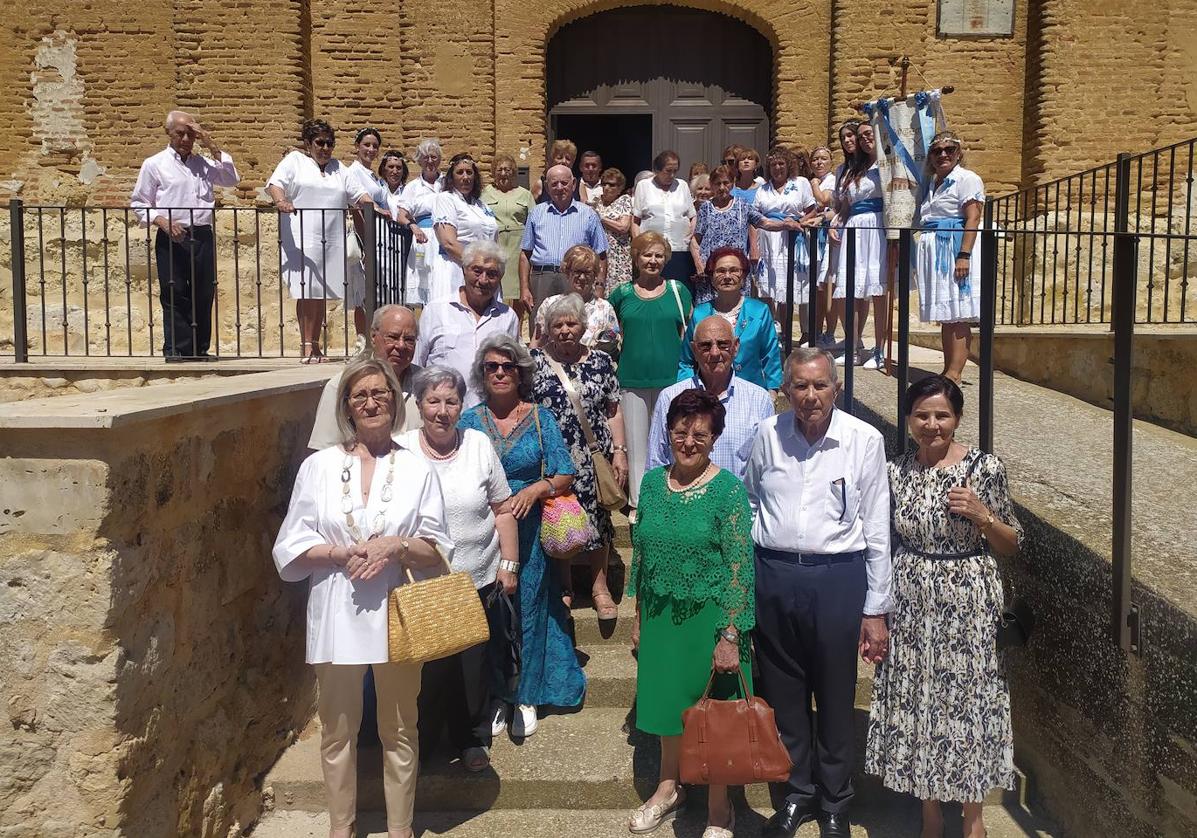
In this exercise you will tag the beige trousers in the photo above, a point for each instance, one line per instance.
(340, 708)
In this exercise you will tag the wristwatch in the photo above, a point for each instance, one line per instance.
(989, 519)
(729, 635)
(622, 448)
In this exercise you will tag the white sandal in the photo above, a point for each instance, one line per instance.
(713, 831)
(649, 817)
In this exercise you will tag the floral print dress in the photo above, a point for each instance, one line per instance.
(619, 247)
(939, 727)
(598, 388)
(716, 228)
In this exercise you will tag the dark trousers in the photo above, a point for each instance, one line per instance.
(186, 288)
(681, 267)
(806, 637)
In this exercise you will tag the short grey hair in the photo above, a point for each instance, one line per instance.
(434, 376)
(427, 148)
(515, 351)
(175, 116)
(804, 355)
(354, 370)
(485, 250)
(389, 309)
(568, 305)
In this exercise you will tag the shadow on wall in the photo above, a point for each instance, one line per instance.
(1108, 740)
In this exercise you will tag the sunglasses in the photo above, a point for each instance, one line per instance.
(945, 149)
(493, 367)
(324, 143)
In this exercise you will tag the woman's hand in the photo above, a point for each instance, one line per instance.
(963, 501)
(507, 580)
(874, 639)
(726, 657)
(962, 267)
(526, 498)
(378, 553)
(833, 233)
(418, 234)
(284, 205)
(636, 632)
(619, 465)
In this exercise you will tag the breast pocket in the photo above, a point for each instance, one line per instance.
(843, 501)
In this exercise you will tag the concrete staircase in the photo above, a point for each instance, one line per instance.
(581, 774)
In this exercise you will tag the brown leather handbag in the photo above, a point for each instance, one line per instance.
(732, 743)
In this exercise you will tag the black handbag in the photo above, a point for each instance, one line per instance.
(506, 638)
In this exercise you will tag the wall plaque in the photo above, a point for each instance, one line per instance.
(976, 17)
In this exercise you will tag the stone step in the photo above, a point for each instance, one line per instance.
(892, 816)
(594, 759)
(610, 674)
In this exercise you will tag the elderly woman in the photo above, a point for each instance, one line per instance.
(700, 189)
(692, 576)
(822, 185)
(662, 204)
(361, 513)
(748, 163)
(561, 153)
(313, 190)
(948, 256)
(615, 211)
(509, 204)
(392, 169)
(538, 466)
(456, 690)
(459, 217)
(759, 357)
(567, 363)
(785, 195)
(940, 723)
(860, 210)
(653, 313)
(580, 265)
(419, 198)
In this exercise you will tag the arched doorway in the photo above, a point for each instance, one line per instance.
(629, 82)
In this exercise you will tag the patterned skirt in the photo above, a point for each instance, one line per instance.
(939, 727)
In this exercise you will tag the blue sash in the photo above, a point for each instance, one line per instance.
(949, 237)
(801, 256)
(424, 222)
(867, 205)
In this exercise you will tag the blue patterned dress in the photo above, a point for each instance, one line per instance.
(549, 670)
(727, 227)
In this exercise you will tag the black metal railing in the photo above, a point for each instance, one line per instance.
(1056, 266)
(87, 280)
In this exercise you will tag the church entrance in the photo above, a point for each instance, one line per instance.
(631, 82)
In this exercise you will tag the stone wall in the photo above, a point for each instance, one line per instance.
(153, 660)
(85, 90)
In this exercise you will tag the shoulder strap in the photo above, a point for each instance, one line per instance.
(680, 308)
(575, 401)
(972, 466)
(539, 436)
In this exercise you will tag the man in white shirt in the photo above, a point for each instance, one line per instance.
(715, 346)
(174, 194)
(451, 330)
(393, 335)
(590, 167)
(818, 487)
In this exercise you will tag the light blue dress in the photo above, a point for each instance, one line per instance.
(549, 670)
(759, 358)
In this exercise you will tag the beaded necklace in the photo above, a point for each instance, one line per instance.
(426, 444)
(347, 501)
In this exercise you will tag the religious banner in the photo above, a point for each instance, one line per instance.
(903, 130)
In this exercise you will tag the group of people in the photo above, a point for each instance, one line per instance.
(740, 204)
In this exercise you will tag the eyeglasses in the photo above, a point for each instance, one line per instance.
(945, 149)
(729, 161)
(360, 400)
(610, 183)
(581, 273)
(407, 340)
(489, 273)
(492, 367)
(680, 437)
(734, 270)
(323, 143)
(708, 345)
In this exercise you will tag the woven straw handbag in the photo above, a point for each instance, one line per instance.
(434, 618)
(565, 528)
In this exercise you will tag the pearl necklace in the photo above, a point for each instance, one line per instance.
(385, 495)
(696, 483)
(426, 444)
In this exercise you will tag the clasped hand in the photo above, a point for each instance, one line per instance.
(369, 558)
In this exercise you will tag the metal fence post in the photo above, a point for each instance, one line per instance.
(849, 318)
(20, 338)
(1124, 613)
(989, 262)
(905, 237)
(814, 317)
(370, 259)
(788, 337)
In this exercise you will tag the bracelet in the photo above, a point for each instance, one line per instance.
(620, 448)
(509, 566)
(964, 254)
(728, 635)
(552, 488)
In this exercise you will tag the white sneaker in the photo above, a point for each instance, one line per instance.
(839, 359)
(876, 360)
(498, 718)
(524, 721)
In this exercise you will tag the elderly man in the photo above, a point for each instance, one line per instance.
(553, 228)
(174, 194)
(590, 166)
(452, 330)
(393, 334)
(715, 345)
(817, 484)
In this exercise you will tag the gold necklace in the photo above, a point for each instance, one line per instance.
(347, 500)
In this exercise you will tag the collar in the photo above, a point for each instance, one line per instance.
(491, 310)
(724, 398)
(834, 429)
(573, 207)
(175, 154)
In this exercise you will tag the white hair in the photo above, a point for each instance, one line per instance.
(175, 116)
(485, 250)
(804, 355)
(568, 305)
(427, 148)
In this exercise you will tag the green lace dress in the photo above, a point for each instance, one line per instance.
(692, 574)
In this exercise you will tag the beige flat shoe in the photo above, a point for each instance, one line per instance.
(713, 831)
(649, 817)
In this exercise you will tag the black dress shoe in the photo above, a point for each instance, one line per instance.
(835, 825)
(786, 820)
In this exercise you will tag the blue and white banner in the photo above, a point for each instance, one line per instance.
(903, 130)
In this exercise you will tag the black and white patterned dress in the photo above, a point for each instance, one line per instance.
(939, 727)
(596, 384)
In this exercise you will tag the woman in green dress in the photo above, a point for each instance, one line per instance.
(692, 576)
(510, 204)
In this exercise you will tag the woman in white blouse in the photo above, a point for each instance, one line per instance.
(419, 198)
(362, 514)
(663, 204)
(456, 690)
(822, 184)
(948, 258)
(313, 190)
(785, 195)
(459, 217)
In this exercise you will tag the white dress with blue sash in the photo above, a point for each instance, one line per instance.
(941, 215)
(866, 218)
(791, 201)
(419, 198)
